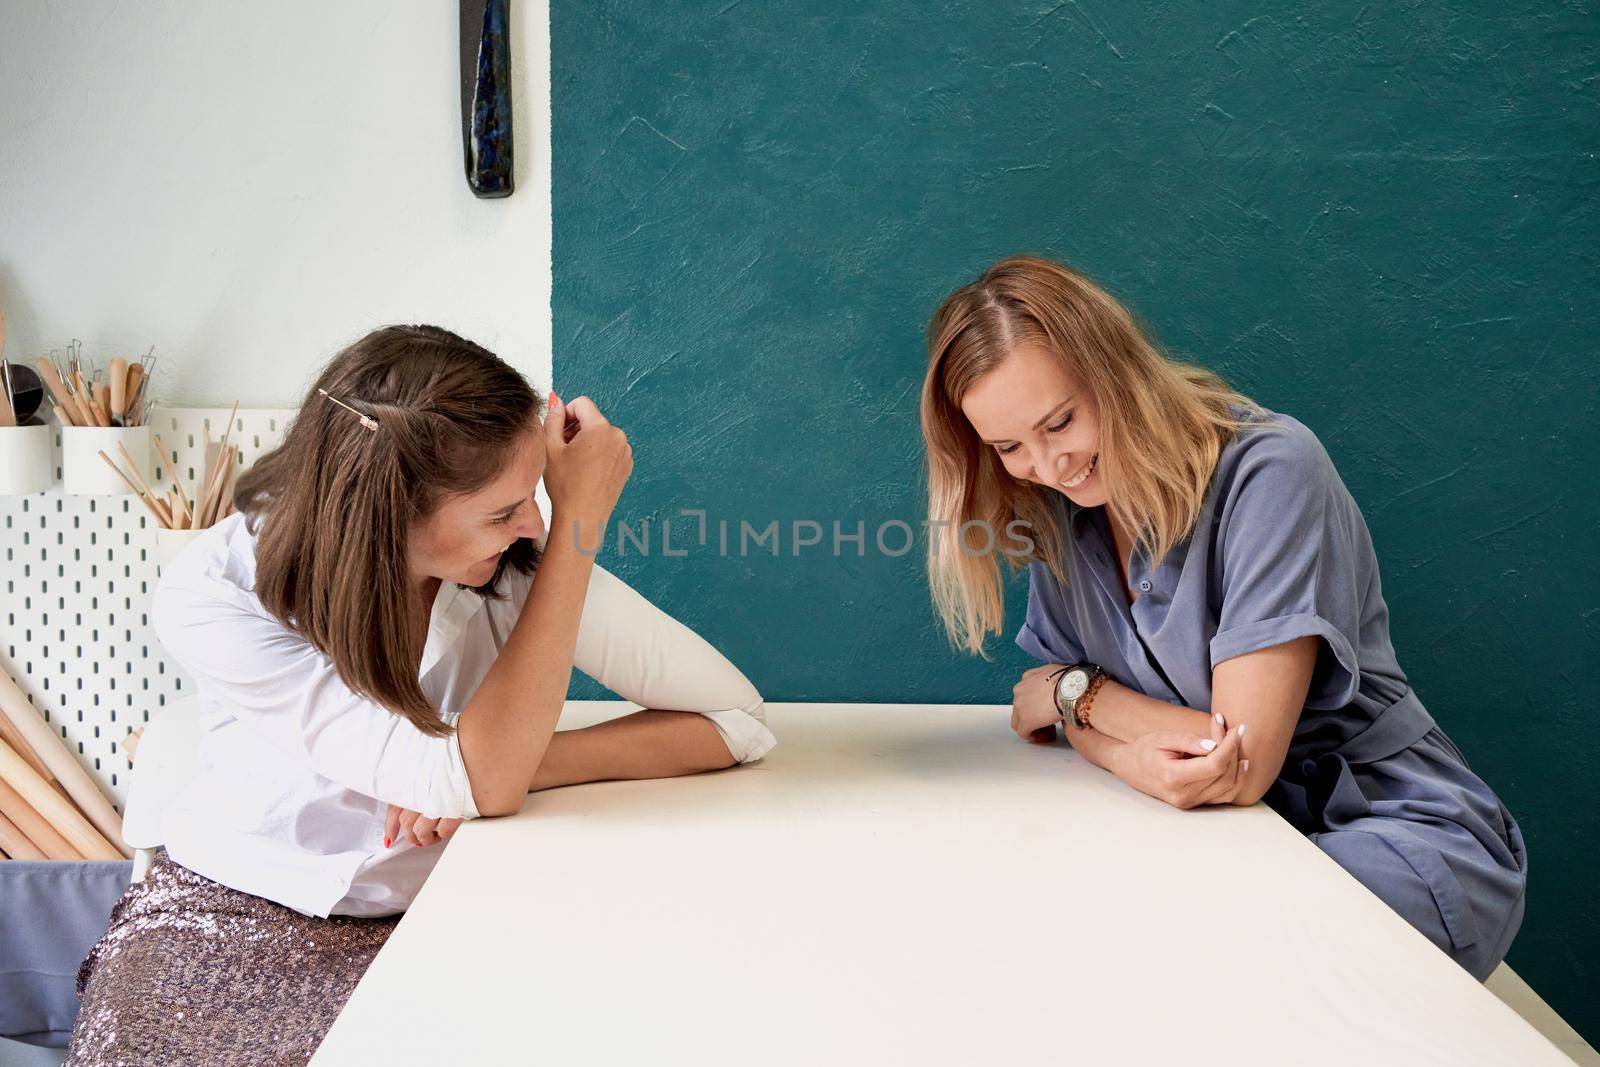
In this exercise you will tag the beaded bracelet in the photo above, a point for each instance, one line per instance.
(1080, 711)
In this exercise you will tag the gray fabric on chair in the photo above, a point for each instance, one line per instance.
(51, 914)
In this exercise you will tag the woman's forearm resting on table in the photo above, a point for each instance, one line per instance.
(1264, 689)
(507, 726)
(1125, 714)
(645, 744)
(1098, 748)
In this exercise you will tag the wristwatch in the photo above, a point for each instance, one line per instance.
(1076, 683)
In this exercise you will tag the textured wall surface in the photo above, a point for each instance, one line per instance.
(251, 187)
(1382, 221)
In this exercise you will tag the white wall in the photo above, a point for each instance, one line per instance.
(250, 186)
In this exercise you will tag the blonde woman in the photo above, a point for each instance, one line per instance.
(1203, 593)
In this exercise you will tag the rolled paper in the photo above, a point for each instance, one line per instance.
(38, 829)
(66, 819)
(80, 787)
(16, 844)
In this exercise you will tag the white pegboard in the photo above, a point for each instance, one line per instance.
(79, 572)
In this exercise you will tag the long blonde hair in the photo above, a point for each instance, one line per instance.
(1162, 426)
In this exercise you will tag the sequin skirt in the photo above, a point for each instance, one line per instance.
(192, 972)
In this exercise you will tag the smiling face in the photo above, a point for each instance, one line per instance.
(1040, 422)
(464, 537)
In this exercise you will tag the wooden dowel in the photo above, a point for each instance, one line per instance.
(208, 514)
(62, 763)
(225, 491)
(37, 828)
(159, 506)
(224, 481)
(226, 433)
(146, 501)
(134, 469)
(13, 737)
(102, 393)
(177, 485)
(16, 843)
(66, 819)
(208, 501)
(183, 498)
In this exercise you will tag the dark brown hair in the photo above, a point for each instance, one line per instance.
(336, 501)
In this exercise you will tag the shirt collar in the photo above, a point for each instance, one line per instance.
(453, 607)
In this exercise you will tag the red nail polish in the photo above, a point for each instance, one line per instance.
(386, 842)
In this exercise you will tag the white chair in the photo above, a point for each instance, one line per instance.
(167, 759)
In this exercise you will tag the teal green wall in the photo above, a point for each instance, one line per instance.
(1382, 221)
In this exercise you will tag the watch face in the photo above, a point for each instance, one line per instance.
(1073, 684)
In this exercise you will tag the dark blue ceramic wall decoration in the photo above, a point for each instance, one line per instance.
(486, 96)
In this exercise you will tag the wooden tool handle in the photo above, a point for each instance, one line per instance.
(16, 843)
(80, 402)
(135, 390)
(38, 830)
(58, 389)
(86, 401)
(119, 389)
(62, 763)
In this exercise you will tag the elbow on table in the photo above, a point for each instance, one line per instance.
(493, 803)
(1251, 792)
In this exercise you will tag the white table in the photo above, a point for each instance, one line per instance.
(910, 884)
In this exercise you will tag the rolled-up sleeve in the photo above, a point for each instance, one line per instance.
(291, 696)
(645, 656)
(1047, 633)
(1296, 560)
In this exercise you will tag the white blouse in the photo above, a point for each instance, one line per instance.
(298, 769)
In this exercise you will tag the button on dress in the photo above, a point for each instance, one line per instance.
(1279, 551)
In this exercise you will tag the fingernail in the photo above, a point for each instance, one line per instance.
(386, 842)
(1245, 764)
(1243, 727)
(1208, 744)
(1218, 717)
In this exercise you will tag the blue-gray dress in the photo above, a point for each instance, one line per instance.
(1280, 551)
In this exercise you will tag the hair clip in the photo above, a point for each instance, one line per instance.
(366, 420)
